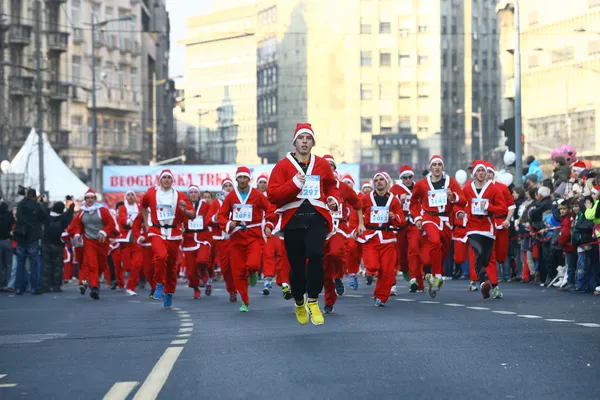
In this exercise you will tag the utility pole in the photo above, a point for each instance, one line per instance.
(94, 110)
(517, 67)
(38, 92)
(154, 124)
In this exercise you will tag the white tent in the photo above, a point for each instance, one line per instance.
(60, 181)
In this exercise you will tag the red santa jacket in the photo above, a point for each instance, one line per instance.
(381, 232)
(508, 201)
(170, 231)
(483, 224)
(193, 236)
(440, 216)
(231, 206)
(341, 217)
(139, 233)
(404, 194)
(77, 229)
(125, 217)
(284, 188)
(217, 232)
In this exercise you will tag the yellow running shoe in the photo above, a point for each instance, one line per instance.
(315, 313)
(301, 314)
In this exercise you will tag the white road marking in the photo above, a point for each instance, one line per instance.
(176, 309)
(407, 300)
(179, 341)
(187, 324)
(184, 335)
(454, 305)
(187, 320)
(184, 330)
(7, 385)
(504, 312)
(184, 316)
(429, 302)
(2, 376)
(180, 311)
(530, 316)
(478, 308)
(120, 390)
(353, 295)
(159, 375)
(588, 324)
(134, 301)
(29, 338)
(560, 320)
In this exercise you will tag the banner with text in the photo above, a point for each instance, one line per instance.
(120, 178)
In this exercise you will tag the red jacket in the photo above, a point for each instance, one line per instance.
(350, 201)
(125, 220)
(284, 188)
(192, 239)
(150, 201)
(437, 215)
(483, 224)
(260, 207)
(508, 201)
(77, 229)
(217, 233)
(382, 235)
(138, 231)
(564, 241)
(400, 190)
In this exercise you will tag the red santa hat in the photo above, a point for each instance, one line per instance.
(90, 192)
(263, 178)
(435, 158)
(384, 175)
(479, 164)
(194, 187)
(303, 128)
(329, 158)
(367, 184)
(130, 191)
(387, 177)
(490, 167)
(348, 179)
(226, 180)
(165, 172)
(406, 170)
(596, 190)
(578, 166)
(243, 171)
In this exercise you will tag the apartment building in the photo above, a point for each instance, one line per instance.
(560, 70)
(220, 86)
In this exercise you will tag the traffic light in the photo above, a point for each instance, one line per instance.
(508, 126)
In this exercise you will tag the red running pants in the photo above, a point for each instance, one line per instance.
(381, 258)
(246, 256)
(94, 258)
(166, 253)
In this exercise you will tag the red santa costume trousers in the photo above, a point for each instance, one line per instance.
(381, 258)
(195, 260)
(148, 265)
(246, 256)
(333, 264)
(413, 243)
(403, 263)
(221, 252)
(68, 270)
(354, 256)
(166, 253)
(439, 246)
(275, 262)
(136, 259)
(94, 258)
(491, 270)
(501, 245)
(122, 260)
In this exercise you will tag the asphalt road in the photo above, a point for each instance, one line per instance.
(532, 344)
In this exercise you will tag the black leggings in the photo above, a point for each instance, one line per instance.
(483, 248)
(302, 244)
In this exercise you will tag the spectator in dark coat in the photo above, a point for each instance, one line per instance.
(53, 247)
(6, 251)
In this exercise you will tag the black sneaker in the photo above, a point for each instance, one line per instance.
(208, 290)
(114, 285)
(339, 287)
(152, 294)
(82, 289)
(95, 293)
(369, 280)
(232, 297)
(36, 292)
(328, 309)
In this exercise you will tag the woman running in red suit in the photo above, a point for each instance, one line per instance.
(95, 226)
(140, 235)
(168, 211)
(196, 243)
(131, 252)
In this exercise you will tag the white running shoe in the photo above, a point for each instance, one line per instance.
(131, 293)
(394, 291)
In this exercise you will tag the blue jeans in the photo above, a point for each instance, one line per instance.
(6, 253)
(30, 251)
(13, 273)
(584, 279)
(571, 261)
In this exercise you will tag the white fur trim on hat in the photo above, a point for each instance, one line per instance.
(407, 173)
(304, 130)
(165, 173)
(477, 166)
(246, 174)
(434, 160)
(382, 175)
(544, 191)
(194, 187)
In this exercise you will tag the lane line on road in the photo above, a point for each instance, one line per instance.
(530, 316)
(406, 300)
(479, 308)
(504, 312)
(2, 376)
(7, 385)
(187, 324)
(353, 295)
(588, 324)
(187, 320)
(184, 330)
(454, 305)
(559, 320)
(120, 390)
(179, 341)
(134, 301)
(159, 374)
(429, 302)
(184, 335)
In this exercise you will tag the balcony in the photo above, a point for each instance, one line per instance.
(20, 85)
(125, 45)
(136, 49)
(58, 91)
(80, 136)
(78, 36)
(58, 42)
(119, 100)
(19, 34)
(112, 42)
(99, 40)
(59, 138)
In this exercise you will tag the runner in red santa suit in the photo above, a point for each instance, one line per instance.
(431, 207)
(140, 236)
(336, 244)
(95, 227)
(130, 251)
(383, 215)
(196, 243)
(221, 244)
(484, 200)
(304, 190)
(502, 221)
(242, 216)
(165, 210)
(409, 239)
(354, 253)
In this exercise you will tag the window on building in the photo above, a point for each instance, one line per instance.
(475, 94)
(404, 90)
(423, 60)
(385, 124)
(385, 91)
(274, 105)
(404, 125)
(444, 91)
(444, 28)
(475, 26)
(494, 60)
(454, 25)
(404, 60)
(484, 60)
(494, 92)
(423, 90)
(385, 27)
(366, 92)
(366, 59)
(485, 92)
(365, 26)
(454, 59)
(75, 69)
(404, 32)
(366, 124)
(274, 75)
(76, 13)
(444, 59)
(385, 59)
(454, 95)
(422, 29)
(423, 124)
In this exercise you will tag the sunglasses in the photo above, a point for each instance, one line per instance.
(408, 177)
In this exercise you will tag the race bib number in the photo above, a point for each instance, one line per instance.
(242, 212)
(196, 224)
(380, 215)
(312, 188)
(406, 204)
(164, 212)
(478, 207)
(437, 198)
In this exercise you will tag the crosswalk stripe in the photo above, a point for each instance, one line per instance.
(120, 390)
